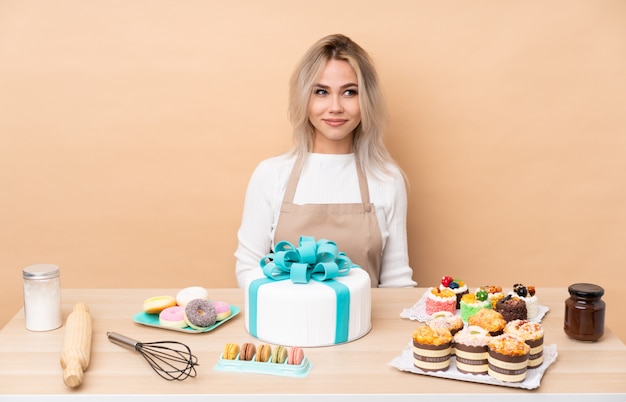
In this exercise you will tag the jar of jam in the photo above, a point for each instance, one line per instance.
(584, 312)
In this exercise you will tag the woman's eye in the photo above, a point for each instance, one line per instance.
(320, 91)
(351, 92)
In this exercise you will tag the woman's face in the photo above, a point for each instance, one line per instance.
(334, 109)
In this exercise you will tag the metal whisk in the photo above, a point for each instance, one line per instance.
(170, 359)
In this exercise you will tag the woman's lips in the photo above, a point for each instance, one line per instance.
(335, 122)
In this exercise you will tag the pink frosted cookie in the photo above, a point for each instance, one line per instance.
(173, 317)
(296, 355)
(222, 309)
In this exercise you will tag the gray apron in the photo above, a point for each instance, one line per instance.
(353, 227)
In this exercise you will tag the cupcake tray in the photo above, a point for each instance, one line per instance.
(152, 320)
(404, 362)
(418, 312)
(250, 366)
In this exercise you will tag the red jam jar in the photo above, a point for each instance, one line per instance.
(584, 312)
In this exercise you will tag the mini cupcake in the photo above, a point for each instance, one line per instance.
(508, 358)
(440, 300)
(527, 293)
(471, 303)
(457, 286)
(471, 350)
(494, 293)
(431, 348)
(532, 334)
(445, 319)
(488, 319)
(512, 308)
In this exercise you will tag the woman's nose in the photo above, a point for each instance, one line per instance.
(336, 105)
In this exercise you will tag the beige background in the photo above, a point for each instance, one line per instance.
(129, 129)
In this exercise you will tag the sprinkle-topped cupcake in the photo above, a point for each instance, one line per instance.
(456, 285)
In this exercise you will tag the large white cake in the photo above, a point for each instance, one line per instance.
(309, 314)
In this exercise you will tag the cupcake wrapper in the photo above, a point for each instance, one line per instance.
(431, 357)
(507, 368)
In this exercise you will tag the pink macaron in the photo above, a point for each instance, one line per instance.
(296, 355)
(173, 317)
(222, 309)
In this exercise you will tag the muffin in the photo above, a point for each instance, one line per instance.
(440, 300)
(532, 334)
(508, 358)
(471, 350)
(512, 308)
(431, 348)
(488, 319)
(445, 319)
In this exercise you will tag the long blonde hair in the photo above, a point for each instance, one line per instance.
(368, 145)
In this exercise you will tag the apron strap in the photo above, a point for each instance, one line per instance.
(294, 178)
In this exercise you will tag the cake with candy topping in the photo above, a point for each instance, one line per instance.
(471, 303)
(494, 293)
(308, 295)
(512, 308)
(527, 293)
(455, 285)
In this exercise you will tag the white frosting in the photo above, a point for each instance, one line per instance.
(305, 314)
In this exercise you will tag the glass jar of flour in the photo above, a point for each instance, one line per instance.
(42, 297)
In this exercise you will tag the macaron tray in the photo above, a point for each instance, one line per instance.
(152, 320)
(252, 366)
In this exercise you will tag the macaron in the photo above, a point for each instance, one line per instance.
(280, 355)
(264, 353)
(186, 295)
(156, 304)
(222, 309)
(172, 317)
(231, 350)
(247, 352)
(296, 355)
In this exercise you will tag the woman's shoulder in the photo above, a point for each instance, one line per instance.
(275, 166)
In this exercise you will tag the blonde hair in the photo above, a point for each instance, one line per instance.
(368, 145)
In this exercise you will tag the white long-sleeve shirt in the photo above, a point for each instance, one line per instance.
(325, 179)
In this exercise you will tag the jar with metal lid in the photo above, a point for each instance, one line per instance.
(42, 297)
(584, 312)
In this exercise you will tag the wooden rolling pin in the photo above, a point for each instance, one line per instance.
(76, 345)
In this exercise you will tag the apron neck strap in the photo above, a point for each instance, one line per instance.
(294, 178)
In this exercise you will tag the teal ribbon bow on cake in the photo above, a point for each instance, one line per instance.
(318, 260)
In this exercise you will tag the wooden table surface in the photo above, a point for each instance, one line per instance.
(30, 360)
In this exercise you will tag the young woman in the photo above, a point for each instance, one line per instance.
(339, 182)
